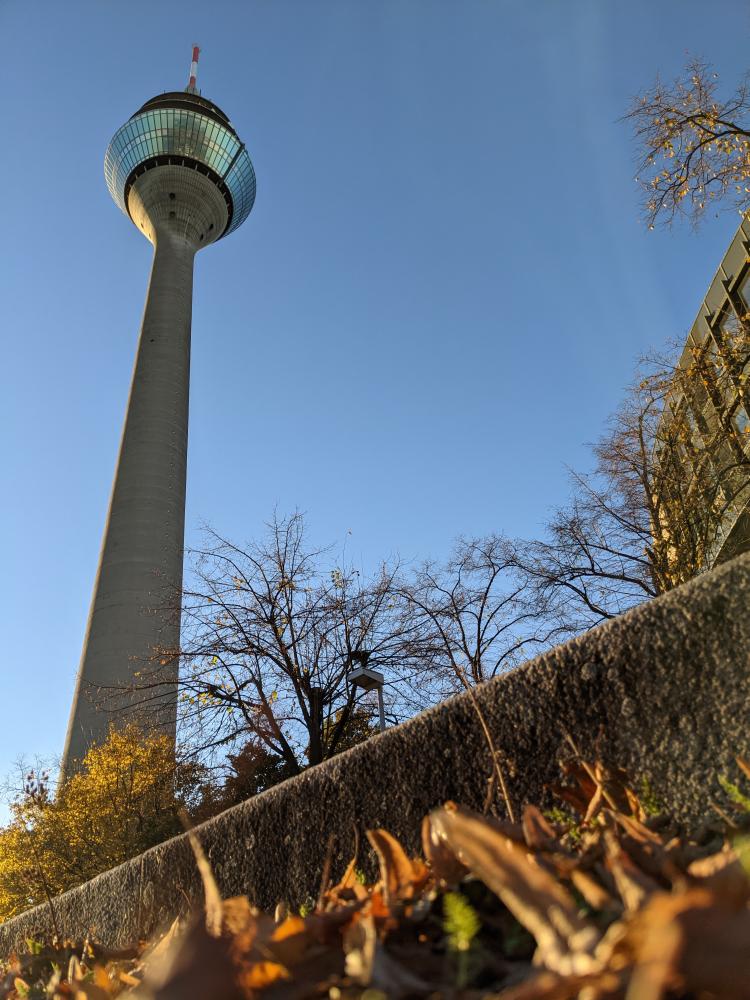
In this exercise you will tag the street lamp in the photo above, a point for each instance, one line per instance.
(366, 678)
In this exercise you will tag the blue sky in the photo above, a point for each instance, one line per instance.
(434, 305)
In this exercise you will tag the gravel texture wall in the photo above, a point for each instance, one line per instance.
(665, 689)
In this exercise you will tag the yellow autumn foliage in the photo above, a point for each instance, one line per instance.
(124, 800)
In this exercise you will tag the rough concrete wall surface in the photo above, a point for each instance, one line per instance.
(667, 686)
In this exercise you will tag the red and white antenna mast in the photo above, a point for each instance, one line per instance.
(191, 87)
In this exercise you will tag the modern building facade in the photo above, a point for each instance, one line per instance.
(180, 172)
(704, 447)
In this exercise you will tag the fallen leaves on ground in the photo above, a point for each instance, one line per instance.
(600, 903)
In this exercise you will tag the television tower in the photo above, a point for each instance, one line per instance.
(180, 172)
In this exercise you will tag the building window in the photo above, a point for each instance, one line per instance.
(693, 428)
(742, 423)
(713, 356)
(728, 323)
(744, 290)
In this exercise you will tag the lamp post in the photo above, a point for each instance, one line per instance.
(366, 678)
(316, 725)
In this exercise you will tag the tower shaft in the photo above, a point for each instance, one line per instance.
(135, 605)
(182, 175)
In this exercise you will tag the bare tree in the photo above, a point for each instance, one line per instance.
(693, 147)
(593, 562)
(268, 637)
(475, 620)
(670, 470)
(474, 613)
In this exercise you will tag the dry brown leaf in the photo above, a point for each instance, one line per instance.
(347, 880)
(359, 941)
(593, 891)
(581, 789)
(514, 831)
(638, 830)
(633, 884)
(326, 927)
(292, 926)
(380, 911)
(289, 941)
(565, 940)
(320, 969)
(571, 797)
(102, 979)
(97, 988)
(213, 902)
(724, 874)
(713, 957)
(509, 828)
(582, 781)
(90, 991)
(76, 972)
(552, 986)
(401, 877)
(446, 868)
(596, 784)
(162, 946)
(197, 965)
(655, 863)
(595, 805)
(537, 831)
(239, 917)
(683, 853)
(655, 970)
(260, 975)
(368, 964)
(636, 808)
(648, 850)
(346, 889)
(127, 979)
(619, 795)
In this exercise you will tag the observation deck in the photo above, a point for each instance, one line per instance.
(184, 130)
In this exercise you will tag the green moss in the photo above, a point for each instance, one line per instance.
(735, 793)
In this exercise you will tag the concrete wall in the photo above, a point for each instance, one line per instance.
(668, 682)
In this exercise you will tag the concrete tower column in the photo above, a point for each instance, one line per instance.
(135, 607)
(179, 171)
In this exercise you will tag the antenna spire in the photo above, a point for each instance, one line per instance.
(191, 87)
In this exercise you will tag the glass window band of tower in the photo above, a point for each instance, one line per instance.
(183, 99)
(177, 132)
